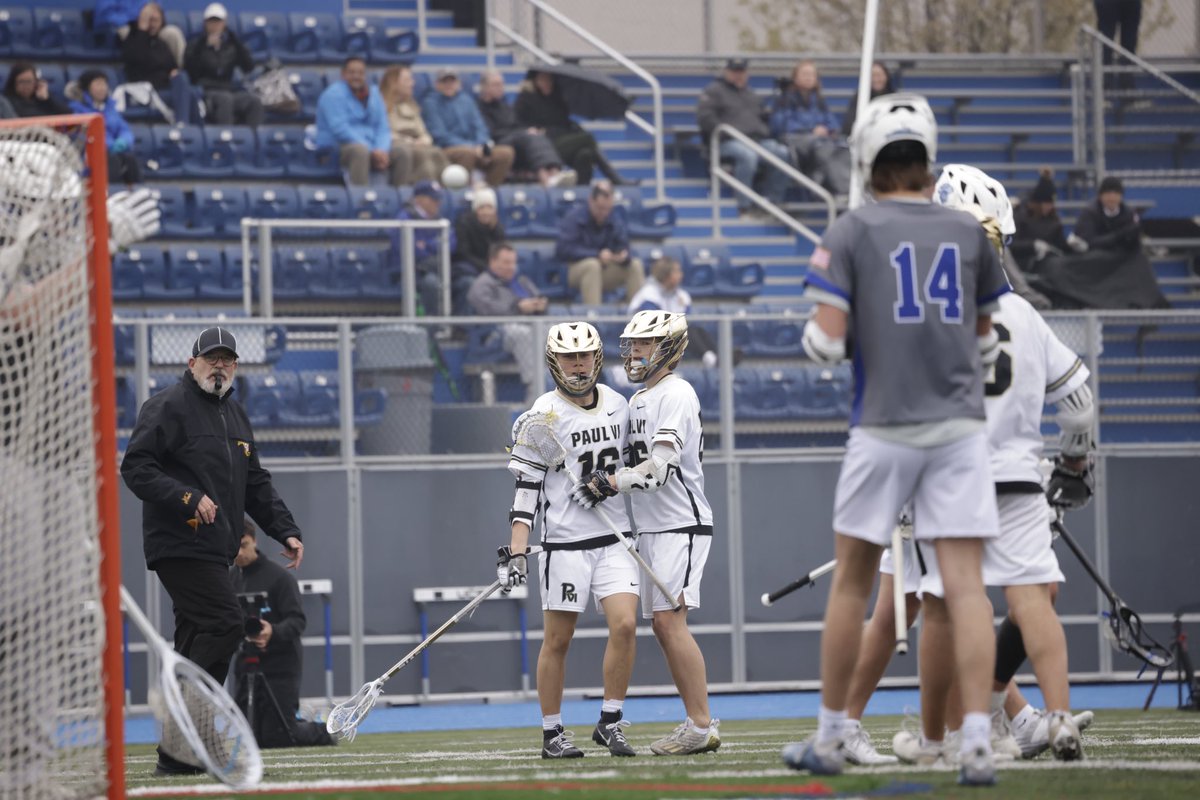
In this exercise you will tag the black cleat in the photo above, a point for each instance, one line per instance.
(558, 744)
(611, 736)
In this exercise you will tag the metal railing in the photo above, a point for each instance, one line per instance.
(654, 129)
(718, 175)
(266, 281)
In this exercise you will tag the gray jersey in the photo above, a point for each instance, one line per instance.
(913, 276)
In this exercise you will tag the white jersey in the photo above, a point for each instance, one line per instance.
(594, 438)
(1034, 368)
(670, 412)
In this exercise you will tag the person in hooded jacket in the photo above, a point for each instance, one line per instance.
(94, 98)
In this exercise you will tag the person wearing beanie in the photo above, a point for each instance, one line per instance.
(1039, 229)
(93, 98)
(477, 229)
(1108, 224)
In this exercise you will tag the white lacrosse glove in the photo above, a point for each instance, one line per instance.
(132, 217)
(511, 570)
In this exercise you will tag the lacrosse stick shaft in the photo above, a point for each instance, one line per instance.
(826, 568)
(140, 620)
(899, 606)
(465, 611)
(628, 545)
(1088, 566)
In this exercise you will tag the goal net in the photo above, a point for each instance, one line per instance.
(59, 736)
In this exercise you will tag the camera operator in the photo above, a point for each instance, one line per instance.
(273, 631)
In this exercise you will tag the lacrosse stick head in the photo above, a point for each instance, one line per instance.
(203, 727)
(345, 717)
(534, 432)
(1126, 633)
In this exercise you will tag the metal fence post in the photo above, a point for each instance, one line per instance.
(445, 310)
(247, 289)
(408, 272)
(1098, 107)
(346, 389)
(266, 281)
(733, 489)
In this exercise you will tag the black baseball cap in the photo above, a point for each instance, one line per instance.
(737, 64)
(214, 339)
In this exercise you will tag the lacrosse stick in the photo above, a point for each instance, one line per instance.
(899, 605)
(535, 430)
(201, 725)
(769, 598)
(345, 717)
(1124, 630)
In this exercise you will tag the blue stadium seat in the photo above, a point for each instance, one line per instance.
(278, 146)
(209, 263)
(219, 210)
(382, 278)
(485, 345)
(324, 202)
(645, 220)
(271, 395)
(225, 149)
(701, 268)
(124, 335)
(16, 34)
(525, 212)
(373, 38)
(311, 162)
(60, 33)
(318, 406)
(126, 403)
(181, 20)
(765, 393)
(561, 201)
(143, 143)
(778, 338)
(308, 85)
(367, 202)
(265, 33)
(233, 268)
(826, 394)
(174, 145)
(313, 38)
(129, 271)
(422, 85)
(295, 268)
(175, 210)
(347, 268)
(539, 263)
(708, 391)
(162, 281)
(272, 202)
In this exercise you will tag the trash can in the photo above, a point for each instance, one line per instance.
(395, 358)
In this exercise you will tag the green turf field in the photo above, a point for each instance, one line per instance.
(1130, 754)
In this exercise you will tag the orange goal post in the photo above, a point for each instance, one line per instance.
(61, 679)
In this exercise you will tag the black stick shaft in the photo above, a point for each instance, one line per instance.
(799, 583)
(1065, 535)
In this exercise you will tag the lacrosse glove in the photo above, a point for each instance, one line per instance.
(132, 217)
(1069, 489)
(593, 489)
(511, 570)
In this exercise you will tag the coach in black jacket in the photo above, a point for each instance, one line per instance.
(193, 462)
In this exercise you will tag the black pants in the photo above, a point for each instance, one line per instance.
(208, 619)
(1123, 14)
(233, 108)
(123, 168)
(579, 151)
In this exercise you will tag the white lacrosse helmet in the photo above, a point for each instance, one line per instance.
(965, 187)
(669, 328)
(893, 118)
(574, 337)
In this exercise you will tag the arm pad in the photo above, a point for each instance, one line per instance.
(989, 347)
(651, 474)
(525, 502)
(820, 346)
(1076, 416)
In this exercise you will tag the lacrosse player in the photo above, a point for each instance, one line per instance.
(922, 281)
(666, 482)
(580, 556)
(1033, 368)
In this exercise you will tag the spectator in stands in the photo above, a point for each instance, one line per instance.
(664, 292)
(458, 128)
(29, 94)
(476, 229)
(408, 129)
(595, 244)
(120, 16)
(150, 57)
(6, 109)
(534, 152)
(501, 291)
(540, 107)
(1126, 15)
(881, 83)
(210, 60)
(426, 204)
(352, 117)
(729, 100)
(1108, 224)
(801, 119)
(123, 166)
(1039, 229)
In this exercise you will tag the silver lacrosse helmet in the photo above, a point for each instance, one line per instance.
(965, 187)
(574, 337)
(669, 329)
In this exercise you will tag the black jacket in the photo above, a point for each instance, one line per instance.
(213, 68)
(1031, 227)
(501, 118)
(282, 654)
(185, 444)
(147, 58)
(474, 239)
(536, 110)
(1119, 234)
(33, 107)
(742, 109)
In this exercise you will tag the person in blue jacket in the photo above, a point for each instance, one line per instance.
(123, 166)
(594, 242)
(352, 117)
(801, 119)
(457, 126)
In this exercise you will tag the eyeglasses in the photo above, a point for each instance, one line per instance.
(222, 361)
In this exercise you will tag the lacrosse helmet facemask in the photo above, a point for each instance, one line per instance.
(669, 330)
(574, 337)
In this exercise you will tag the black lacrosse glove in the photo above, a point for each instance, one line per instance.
(593, 489)
(1070, 489)
(511, 570)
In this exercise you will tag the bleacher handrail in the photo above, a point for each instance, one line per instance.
(719, 176)
(655, 129)
(406, 227)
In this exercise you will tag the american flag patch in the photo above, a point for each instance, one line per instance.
(820, 258)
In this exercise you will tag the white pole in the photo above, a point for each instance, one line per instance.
(870, 25)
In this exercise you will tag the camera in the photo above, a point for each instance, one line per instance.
(254, 606)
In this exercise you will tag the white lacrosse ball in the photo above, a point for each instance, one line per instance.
(455, 176)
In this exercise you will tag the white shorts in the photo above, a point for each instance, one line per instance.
(912, 566)
(678, 560)
(1022, 554)
(567, 577)
(950, 486)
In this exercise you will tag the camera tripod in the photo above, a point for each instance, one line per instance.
(1185, 674)
(254, 680)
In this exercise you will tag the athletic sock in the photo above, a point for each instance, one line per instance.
(702, 731)
(550, 725)
(998, 700)
(830, 725)
(850, 726)
(610, 711)
(976, 729)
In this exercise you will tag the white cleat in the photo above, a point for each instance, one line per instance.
(1065, 739)
(1034, 737)
(858, 750)
(910, 748)
(1003, 742)
(977, 768)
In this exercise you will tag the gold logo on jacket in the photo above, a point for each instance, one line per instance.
(245, 447)
(187, 498)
